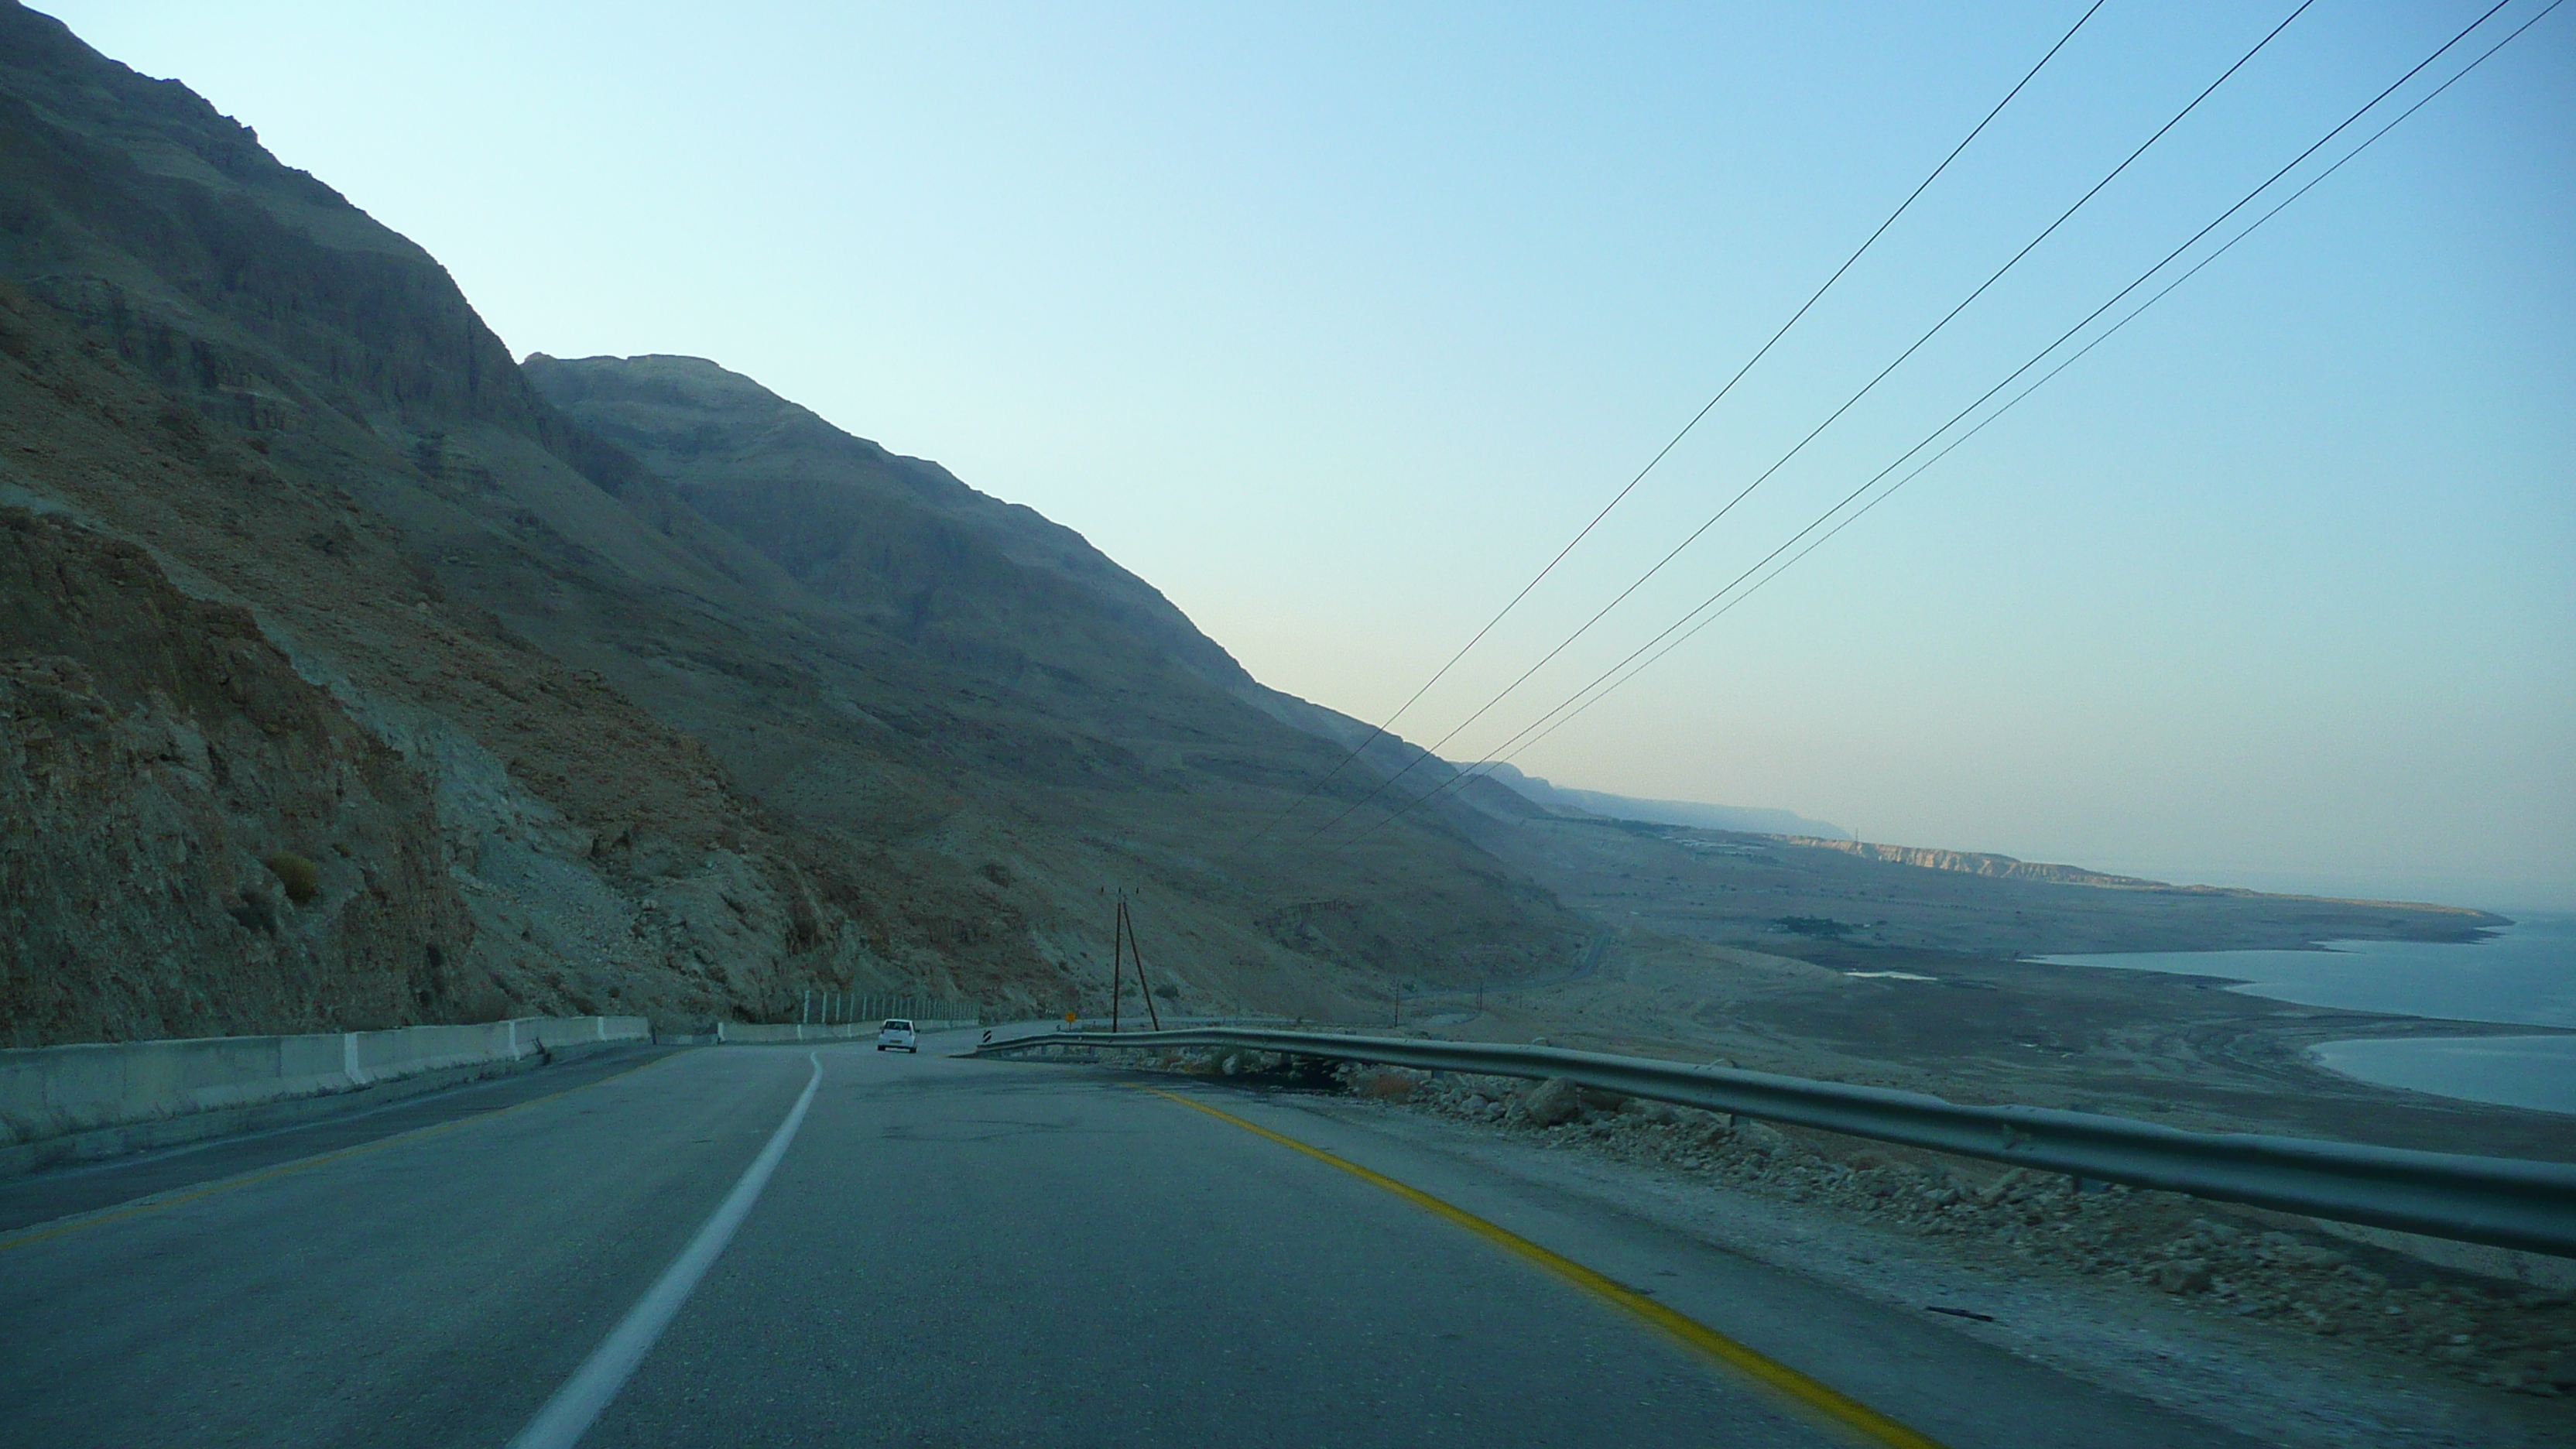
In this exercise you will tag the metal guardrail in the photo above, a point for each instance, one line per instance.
(2506, 1202)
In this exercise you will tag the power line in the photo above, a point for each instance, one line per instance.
(1818, 430)
(1516, 744)
(1380, 731)
(2073, 358)
(1524, 739)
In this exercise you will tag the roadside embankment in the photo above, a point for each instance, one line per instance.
(73, 1103)
(2245, 1264)
(2254, 1268)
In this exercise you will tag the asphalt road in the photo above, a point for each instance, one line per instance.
(948, 1252)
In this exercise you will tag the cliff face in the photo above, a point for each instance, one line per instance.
(801, 714)
(1970, 862)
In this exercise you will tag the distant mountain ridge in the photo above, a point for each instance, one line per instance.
(921, 553)
(972, 578)
(1750, 820)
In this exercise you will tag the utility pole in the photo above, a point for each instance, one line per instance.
(1122, 942)
(1153, 1013)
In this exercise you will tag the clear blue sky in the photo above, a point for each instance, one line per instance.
(1335, 323)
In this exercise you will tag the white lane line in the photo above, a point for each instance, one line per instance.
(568, 1415)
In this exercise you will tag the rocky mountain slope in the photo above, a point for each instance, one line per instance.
(899, 541)
(674, 765)
(161, 753)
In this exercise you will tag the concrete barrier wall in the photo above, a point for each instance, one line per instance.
(52, 1093)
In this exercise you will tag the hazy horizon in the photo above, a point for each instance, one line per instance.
(2503, 897)
(1335, 325)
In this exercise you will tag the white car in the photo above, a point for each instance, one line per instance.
(898, 1035)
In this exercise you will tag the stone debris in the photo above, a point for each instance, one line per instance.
(1551, 1103)
(2183, 1275)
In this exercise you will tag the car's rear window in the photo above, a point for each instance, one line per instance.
(898, 1026)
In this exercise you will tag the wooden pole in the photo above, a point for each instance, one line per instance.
(1150, 1011)
(1117, 957)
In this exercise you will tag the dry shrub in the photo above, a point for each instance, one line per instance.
(301, 878)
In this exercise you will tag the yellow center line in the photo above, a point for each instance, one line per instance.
(1771, 1373)
(163, 1201)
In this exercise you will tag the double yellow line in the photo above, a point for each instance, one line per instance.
(164, 1201)
(1819, 1398)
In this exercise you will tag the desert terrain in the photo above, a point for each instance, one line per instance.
(1908, 968)
(354, 673)
(2183, 1051)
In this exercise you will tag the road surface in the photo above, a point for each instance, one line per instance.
(943, 1252)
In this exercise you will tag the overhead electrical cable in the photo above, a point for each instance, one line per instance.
(1518, 744)
(1847, 405)
(1571, 707)
(1380, 731)
(2103, 336)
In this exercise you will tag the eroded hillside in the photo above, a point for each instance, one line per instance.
(198, 838)
(672, 765)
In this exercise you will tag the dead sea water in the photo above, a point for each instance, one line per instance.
(2525, 974)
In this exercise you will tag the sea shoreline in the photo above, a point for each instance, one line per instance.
(2521, 976)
